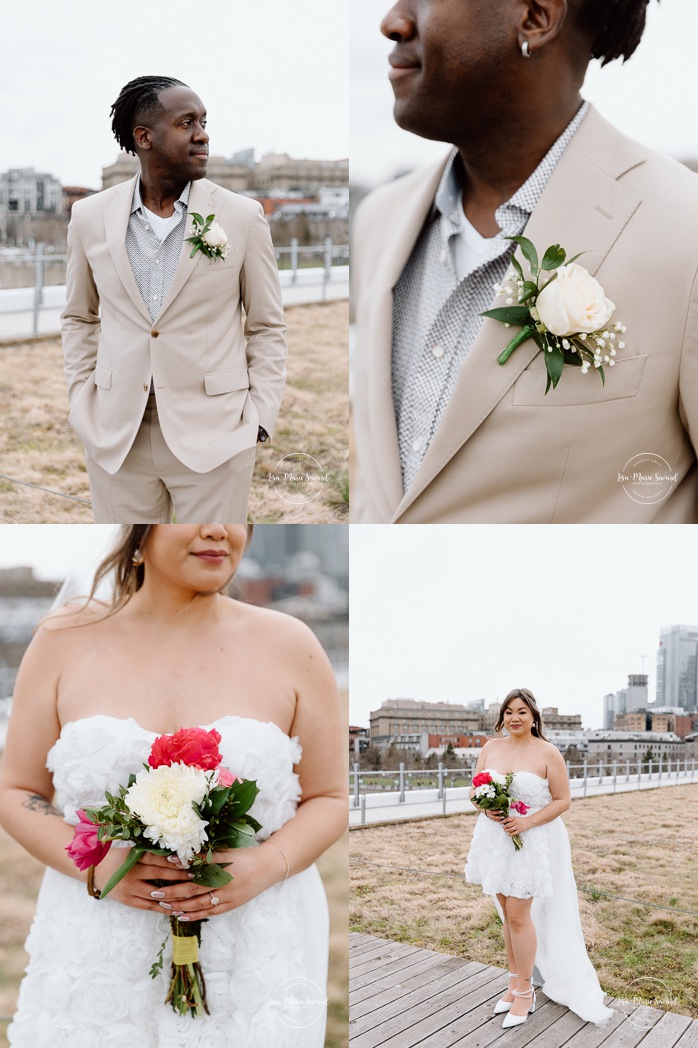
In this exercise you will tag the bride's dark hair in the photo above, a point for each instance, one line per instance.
(528, 698)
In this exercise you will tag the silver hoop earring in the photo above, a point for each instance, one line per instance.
(525, 50)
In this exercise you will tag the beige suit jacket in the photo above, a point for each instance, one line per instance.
(504, 452)
(216, 378)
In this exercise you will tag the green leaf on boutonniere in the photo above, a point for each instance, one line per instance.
(508, 314)
(529, 252)
(529, 289)
(554, 363)
(197, 218)
(209, 219)
(553, 257)
(517, 266)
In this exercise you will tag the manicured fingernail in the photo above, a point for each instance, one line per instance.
(174, 859)
(165, 905)
(184, 918)
(191, 876)
(177, 913)
(157, 895)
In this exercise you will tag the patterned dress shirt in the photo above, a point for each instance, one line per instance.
(154, 261)
(436, 316)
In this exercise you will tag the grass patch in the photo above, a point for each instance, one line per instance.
(627, 941)
(38, 446)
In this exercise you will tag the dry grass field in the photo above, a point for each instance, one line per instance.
(641, 846)
(37, 446)
(19, 883)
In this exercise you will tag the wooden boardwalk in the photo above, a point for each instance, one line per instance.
(402, 996)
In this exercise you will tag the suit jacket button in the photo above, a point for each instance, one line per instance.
(155, 333)
(145, 386)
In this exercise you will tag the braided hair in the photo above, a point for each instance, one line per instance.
(615, 27)
(140, 97)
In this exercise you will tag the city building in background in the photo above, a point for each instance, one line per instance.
(31, 206)
(677, 667)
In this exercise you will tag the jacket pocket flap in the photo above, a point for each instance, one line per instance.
(103, 376)
(226, 381)
(622, 381)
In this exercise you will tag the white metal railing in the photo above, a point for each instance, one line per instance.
(325, 260)
(584, 778)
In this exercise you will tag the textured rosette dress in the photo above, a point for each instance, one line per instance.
(542, 870)
(88, 984)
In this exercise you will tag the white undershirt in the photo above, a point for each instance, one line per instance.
(161, 226)
(469, 247)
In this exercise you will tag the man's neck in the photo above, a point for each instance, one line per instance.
(159, 194)
(499, 163)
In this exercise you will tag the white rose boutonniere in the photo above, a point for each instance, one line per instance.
(568, 316)
(209, 237)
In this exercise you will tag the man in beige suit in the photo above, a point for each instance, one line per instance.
(445, 434)
(170, 389)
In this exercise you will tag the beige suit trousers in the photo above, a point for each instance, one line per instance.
(152, 486)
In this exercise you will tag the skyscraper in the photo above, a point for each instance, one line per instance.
(677, 667)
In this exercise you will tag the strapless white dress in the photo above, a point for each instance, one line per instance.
(542, 870)
(88, 984)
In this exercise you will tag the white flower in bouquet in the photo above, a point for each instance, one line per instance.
(215, 236)
(573, 303)
(162, 798)
(485, 791)
(501, 780)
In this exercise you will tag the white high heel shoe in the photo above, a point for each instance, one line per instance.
(504, 1006)
(517, 1020)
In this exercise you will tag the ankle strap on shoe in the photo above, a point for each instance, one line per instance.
(523, 993)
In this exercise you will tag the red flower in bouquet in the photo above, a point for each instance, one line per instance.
(519, 807)
(193, 746)
(86, 849)
(483, 779)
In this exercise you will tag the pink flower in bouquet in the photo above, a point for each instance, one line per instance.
(193, 746)
(85, 849)
(519, 806)
(225, 777)
(483, 779)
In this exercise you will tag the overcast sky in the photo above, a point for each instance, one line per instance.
(649, 98)
(456, 613)
(272, 74)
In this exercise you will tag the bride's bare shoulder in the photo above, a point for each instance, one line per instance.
(285, 632)
(73, 614)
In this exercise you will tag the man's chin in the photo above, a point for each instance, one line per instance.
(411, 118)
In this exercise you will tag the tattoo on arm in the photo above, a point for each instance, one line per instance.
(36, 803)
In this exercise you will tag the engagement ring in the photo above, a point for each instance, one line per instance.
(214, 899)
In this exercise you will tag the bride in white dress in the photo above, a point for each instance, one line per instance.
(96, 686)
(534, 888)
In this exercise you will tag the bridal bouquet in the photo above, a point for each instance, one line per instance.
(492, 794)
(182, 803)
(568, 316)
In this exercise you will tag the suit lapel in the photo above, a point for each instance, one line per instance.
(117, 208)
(584, 208)
(412, 212)
(201, 201)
